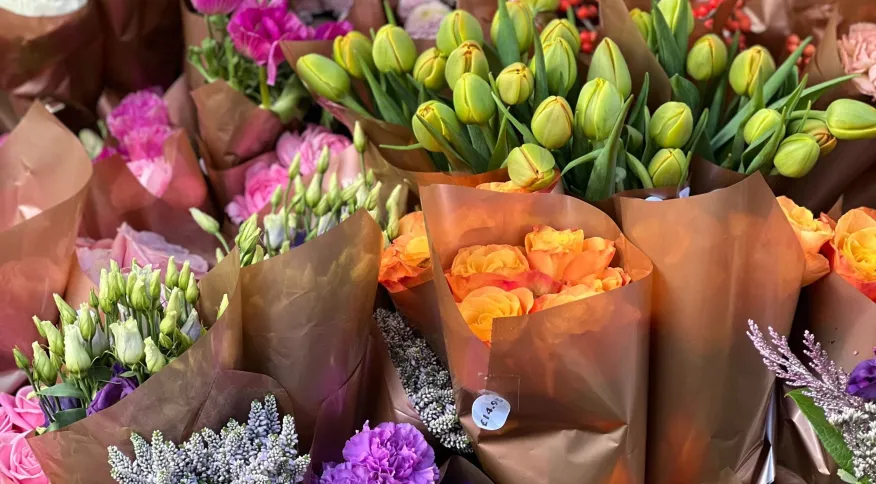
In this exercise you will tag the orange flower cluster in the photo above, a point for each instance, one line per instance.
(554, 267)
(405, 261)
(813, 234)
(502, 187)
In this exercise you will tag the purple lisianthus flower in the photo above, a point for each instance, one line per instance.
(862, 381)
(389, 453)
(257, 29)
(137, 110)
(67, 403)
(146, 143)
(215, 7)
(330, 30)
(116, 389)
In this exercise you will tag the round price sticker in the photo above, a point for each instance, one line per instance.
(490, 412)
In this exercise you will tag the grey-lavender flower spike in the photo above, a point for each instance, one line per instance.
(262, 450)
(425, 380)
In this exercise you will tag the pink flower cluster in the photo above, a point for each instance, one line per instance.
(129, 244)
(270, 170)
(141, 125)
(3, 138)
(858, 54)
(19, 416)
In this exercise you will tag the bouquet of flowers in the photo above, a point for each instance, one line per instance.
(264, 449)
(126, 332)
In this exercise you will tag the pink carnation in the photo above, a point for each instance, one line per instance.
(858, 54)
(153, 174)
(129, 244)
(309, 143)
(105, 153)
(260, 182)
(147, 142)
(17, 462)
(137, 110)
(18, 413)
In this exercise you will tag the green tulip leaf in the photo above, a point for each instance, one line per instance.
(589, 157)
(501, 150)
(67, 417)
(681, 29)
(699, 129)
(685, 92)
(415, 146)
(790, 81)
(601, 183)
(527, 134)
(389, 110)
(764, 159)
(440, 161)
(831, 438)
(846, 476)
(506, 37)
(717, 104)
(446, 145)
(404, 93)
(541, 86)
(62, 390)
(637, 117)
(640, 171)
(794, 99)
(669, 54)
(480, 144)
(811, 94)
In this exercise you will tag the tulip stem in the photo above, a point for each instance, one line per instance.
(807, 114)
(355, 106)
(263, 87)
(489, 136)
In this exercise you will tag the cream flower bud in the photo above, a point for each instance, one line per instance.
(323, 77)
(429, 69)
(608, 63)
(129, 346)
(473, 100)
(561, 66)
(707, 58)
(76, 357)
(531, 167)
(171, 275)
(562, 29)
(184, 275)
(552, 123)
(671, 125)
(21, 360)
(673, 11)
(762, 122)
(192, 292)
(750, 67)
(666, 167)
(394, 50)
(468, 57)
(207, 223)
(360, 142)
(349, 48)
(192, 328)
(643, 24)
(155, 361)
(441, 118)
(68, 315)
(169, 323)
(521, 19)
(44, 370)
(54, 337)
(796, 155)
(599, 105)
(849, 119)
(99, 342)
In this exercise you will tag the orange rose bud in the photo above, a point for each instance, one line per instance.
(566, 255)
(554, 241)
(854, 247)
(502, 187)
(813, 234)
(483, 305)
(403, 261)
(504, 260)
(412, 224)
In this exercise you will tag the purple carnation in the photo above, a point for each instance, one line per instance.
(137, 110)
(862, 381)
(389, 453)
(257, 28)
(116, 389)
(330, 30)
(215, 7)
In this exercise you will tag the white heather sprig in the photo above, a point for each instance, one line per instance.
(261, 451)
(425, 379)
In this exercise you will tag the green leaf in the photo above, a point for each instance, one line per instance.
(640, 171)
(685, 92)
(62, 390)
(387, 10)
(501, 150)
(637, 116)
(601, 183)
(67, 417)
(764, 159)
(446, 145)
(589, 157)
(527, 134)
(506, 37)
(404, 93)
(415, 146)
(717, 104)
(845, 476)
(791, 104)
(100, 373)
(128, 374)
(811, 94)
(831, 438)
(681, 29)
(440, 161)
(695, 139)
(389, 110)
(669, 55)
(541, 86)
(480, 145)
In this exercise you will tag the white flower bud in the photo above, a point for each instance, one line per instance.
(128, 342)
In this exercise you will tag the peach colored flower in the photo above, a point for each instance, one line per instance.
(858, 54)
(503, 260)
(561, 255)
(403, 262)
(412, 224)
(854, 249)
(537, 282)
(574, 293)
(609, 279)
(554, 241)
(483, 305)
(503, 187)
(813, 234)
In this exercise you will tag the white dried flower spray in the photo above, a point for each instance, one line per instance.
(42, 8)
(425, 379)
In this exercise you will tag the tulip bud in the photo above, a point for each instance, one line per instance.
(348, 49)
(192, 292)
(429, 69)
(92, 299)
(21, 360)
(184, 275)
(796, 156)
(750, 67)
(552, 123)
(457, 27)
(473, 100)
(521, 19)
(155, 361)
(54, 337)
(643, 24)
(531, 167)
(171, 275)
(540, 6)
(68, 314)
(99, 343)
(128, 343)
(707, 58)
(223, 305)
(848, 119)
(671, 125)
(561, 66)
(468, 57)
(76, 357)
(168, 324)
(667, 167)
(515, 84)
(561, 28)
(609, 63)
(207, 223)
(323, 77)
(673, 10)
(314, 192)
(599, 105)
(762, 122)
(360, 143)
(44, 369)
(394, 50)
(441, 117)
(818, 129)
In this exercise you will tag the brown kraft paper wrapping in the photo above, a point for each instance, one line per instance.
(706, 176)
(710, 390)
(457, 470)
(116, 196)
(44, 172)
(58, 56)
(142, 44)
(575, 375)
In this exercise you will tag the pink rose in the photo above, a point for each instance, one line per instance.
(330, 30)
(260, 182)
(17, 462)
(309, 143)
(858, 54)
(22, 413)
(154, 174)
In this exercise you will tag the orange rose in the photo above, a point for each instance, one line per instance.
(412, 224)
(813, 234)
(406, 258)
(503, 187)
(565, 257)
(537, 282)
(609, 279)
(483, 305)
(854, 248)
(504, 260)
(574, 293)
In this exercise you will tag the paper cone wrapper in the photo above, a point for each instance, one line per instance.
(59, 56)
(706, 176)
(730, 257)
(44, 174)
(460, 471)
(574, 375)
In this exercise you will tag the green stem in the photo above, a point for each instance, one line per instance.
(263, 87)
(489, 136)
(362, 167)
(390, 17)
(355, 106)
(224, 244)
(819, 115)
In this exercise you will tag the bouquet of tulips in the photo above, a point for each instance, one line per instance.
(128, 330)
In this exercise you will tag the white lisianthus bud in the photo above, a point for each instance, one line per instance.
(207, 223)
(99, 343)
(44, 370)
(54, 337)
(68, 314)
(192, 292)
(155, 361)
(191, 331)
(222, 306)
(274, 228)
(168, 324)
(128, 343)
(76, 356)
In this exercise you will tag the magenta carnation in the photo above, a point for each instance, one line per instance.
(146, 143)
(330, 30)
(137, 110)
(257, 29)
(215, 7)
(389, 453)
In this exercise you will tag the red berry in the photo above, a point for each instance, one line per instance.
(732, 25)
(594, 11)
(581, 12)
(794, 38)
(701, 11)
(709, 23)
(809, 50)
(745, 24)
(713, 4)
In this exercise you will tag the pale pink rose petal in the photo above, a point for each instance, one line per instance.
(94, 256)
(151, 248)
(287, 146)
(25, 414)
(153, 174)
(260, 181)
(857, 51)
(17, 462)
